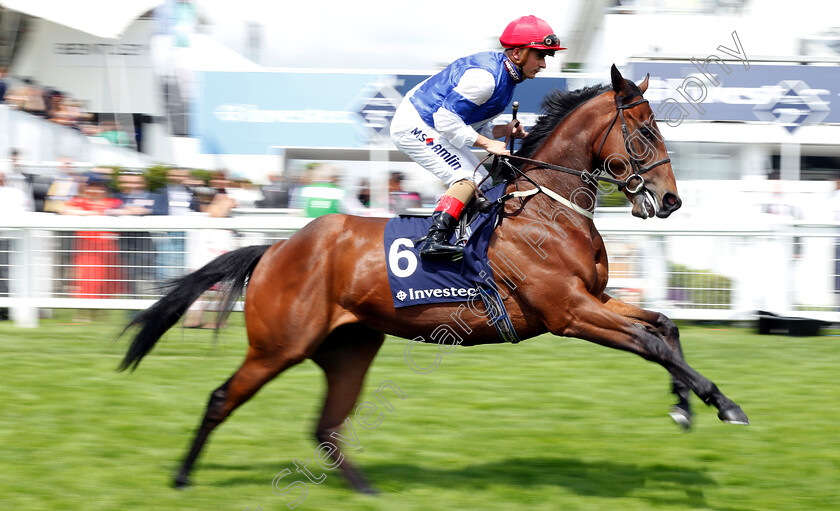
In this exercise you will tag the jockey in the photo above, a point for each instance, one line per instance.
(442, 117)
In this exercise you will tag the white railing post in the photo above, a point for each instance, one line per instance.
(22, 310)
(745, 289)
(654, 271)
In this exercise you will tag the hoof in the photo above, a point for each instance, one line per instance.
(364, 489)
(682, 417)
(734, 415)
(358, 483)
(181, 483)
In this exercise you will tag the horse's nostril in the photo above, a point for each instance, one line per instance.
(671, 201)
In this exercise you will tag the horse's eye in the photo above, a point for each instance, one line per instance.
(646, 132)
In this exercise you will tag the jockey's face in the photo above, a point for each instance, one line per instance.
(534, 63)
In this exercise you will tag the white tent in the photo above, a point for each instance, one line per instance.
(102, 18)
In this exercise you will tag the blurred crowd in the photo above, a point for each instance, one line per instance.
(55, 106)
(176, 191)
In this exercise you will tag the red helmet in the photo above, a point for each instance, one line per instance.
(530, 32)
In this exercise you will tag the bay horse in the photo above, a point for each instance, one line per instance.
(324, 295)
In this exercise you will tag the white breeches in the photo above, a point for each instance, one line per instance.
(426, 146)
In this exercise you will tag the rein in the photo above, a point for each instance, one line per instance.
(585, 176)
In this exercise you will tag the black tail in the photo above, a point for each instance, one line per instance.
(231, 269)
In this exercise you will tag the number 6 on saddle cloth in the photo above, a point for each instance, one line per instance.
(417, 281)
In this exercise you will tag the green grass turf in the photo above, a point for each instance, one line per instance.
(549, 424)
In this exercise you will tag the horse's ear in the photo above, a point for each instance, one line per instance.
(644, 85)
(618, 84)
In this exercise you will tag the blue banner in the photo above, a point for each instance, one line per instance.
(249, 113)
(712, 90)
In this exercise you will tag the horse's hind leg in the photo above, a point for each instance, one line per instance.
(661, 326)
(254, 372)
(345, 357)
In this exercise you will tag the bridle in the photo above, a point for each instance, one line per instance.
(630, 147)
(591, 177)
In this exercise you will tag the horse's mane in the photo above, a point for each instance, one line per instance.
(556, 106)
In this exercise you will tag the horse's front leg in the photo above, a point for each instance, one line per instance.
(590, 319)
(660, 325)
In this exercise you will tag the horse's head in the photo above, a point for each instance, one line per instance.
(633, 151)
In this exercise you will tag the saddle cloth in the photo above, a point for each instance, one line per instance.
(417, 281)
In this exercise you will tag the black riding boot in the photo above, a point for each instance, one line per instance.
(436, 245)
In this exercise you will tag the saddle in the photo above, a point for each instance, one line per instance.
(417, 281)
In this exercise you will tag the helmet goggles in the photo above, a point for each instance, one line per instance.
(548, 45)
(550, 41)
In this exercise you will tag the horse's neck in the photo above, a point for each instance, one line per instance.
(570, 145)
